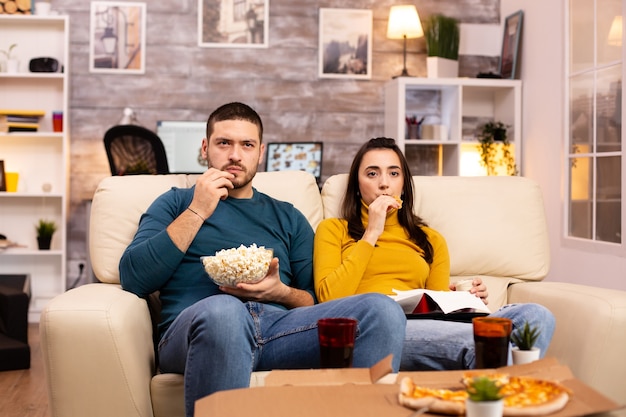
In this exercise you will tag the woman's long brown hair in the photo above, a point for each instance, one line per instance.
(351, 207)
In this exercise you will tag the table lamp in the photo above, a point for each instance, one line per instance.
(404, 23)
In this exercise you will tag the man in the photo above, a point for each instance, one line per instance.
(216, 336)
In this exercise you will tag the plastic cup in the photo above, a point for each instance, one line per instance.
(57, 121)
(491, 339)
(336, 338)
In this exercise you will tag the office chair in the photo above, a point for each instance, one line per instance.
(133, 149)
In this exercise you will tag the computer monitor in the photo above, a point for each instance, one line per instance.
(182, 140)
(295, 156)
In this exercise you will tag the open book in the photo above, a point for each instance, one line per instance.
(446, 302)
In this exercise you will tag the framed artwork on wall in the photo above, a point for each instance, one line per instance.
(509, 58)
(345, 43)
(117, 40)
(233, 23)
(295, 156)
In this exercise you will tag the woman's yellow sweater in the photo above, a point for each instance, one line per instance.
(343, 266)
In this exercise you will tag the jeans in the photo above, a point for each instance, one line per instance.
(449, 345)
(219, 341)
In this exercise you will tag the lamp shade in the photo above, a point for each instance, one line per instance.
(404, 22)
(615, 33)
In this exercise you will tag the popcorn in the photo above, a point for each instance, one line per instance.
(244, 264)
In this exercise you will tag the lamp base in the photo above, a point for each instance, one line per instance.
(404, 73)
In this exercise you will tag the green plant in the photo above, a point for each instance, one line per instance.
(483, 388)
(442, 36)
(491, 137)
(7, 53)
(525, 337)
(45, 228)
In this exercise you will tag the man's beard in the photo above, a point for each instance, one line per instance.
(239, 181)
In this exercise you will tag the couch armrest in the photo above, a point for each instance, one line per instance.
(589, 337)
(98, 335)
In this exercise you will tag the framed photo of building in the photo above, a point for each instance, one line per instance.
(509, 61)
(117, 41)
(345, 43)
(233, 23)
(295, 156)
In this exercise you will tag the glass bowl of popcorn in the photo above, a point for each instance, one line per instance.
(247, 264)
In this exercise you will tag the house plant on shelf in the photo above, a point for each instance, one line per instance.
(45, 230)
(524, 340)
(484, 397)
(12, 63)
(495, 149)
(442, 43)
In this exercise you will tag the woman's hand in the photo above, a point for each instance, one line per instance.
(377, 215)
(478, 289)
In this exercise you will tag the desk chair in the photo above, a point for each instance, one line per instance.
(133, 149)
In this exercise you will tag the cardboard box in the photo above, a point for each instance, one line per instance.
(365, 393)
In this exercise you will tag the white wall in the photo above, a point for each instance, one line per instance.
(542, 72)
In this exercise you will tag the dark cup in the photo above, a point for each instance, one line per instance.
(491, 338)
(336, 337)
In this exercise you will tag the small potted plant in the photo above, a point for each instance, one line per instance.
(12, 63)
(495, 148)
(442, 45)
(484, 397)
(45, 230)
(524, 340)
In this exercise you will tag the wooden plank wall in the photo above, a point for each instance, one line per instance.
(185, 82)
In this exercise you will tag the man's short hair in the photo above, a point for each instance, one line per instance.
(234, 111)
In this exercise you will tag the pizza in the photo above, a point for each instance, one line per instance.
(523, 396)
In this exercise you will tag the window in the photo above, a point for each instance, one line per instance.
(594, 107)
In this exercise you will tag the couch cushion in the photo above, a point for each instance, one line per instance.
(494, 226)
(119, 202)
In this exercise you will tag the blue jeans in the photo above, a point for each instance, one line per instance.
(448, 345)
(219, 341)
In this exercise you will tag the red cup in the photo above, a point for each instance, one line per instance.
(57, 121)
(336, 338)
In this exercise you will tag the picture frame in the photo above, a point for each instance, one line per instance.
(295, 156)
(243, 24)
(511, 39)
(117, 39)
(3, 178)
(345, 43)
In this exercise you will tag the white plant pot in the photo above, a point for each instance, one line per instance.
(521, 357)
(13, 65)
(484, 408)
(437, 67)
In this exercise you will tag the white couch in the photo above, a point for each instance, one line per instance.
(97, 339)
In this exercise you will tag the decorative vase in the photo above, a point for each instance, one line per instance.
(484, 408)
(438, 67)
(13, 65)
(44, 242)
(524, 356)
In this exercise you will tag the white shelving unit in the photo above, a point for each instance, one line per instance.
(460, 105)
(41, 158)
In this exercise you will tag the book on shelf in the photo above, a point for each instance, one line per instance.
(18, 119)
(18, 127)
(421, 301)
(22, 112)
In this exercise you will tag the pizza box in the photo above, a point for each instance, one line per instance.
(372, 392)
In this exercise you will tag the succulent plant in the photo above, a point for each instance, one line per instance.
(7, 53)
(525, 337)
(484, 388)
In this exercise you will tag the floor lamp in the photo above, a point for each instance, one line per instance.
(404, 23)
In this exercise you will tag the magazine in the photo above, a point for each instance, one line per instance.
(446, 302)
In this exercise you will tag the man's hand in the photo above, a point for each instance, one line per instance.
(271, 290)
(478, 289)
(211, 187)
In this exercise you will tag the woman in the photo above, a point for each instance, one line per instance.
(380, 245)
